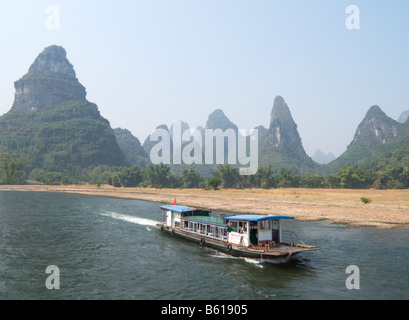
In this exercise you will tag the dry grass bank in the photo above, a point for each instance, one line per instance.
(388, 208)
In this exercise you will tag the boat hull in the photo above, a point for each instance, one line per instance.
(278, 252)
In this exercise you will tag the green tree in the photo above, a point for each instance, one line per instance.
(353, 177)
(157, 175)
(11, 169)
(394, 178)
(382, 180)
(191, 178)
(64, 180)
(332, 181)
(229, 176)
(265, 178)
(400, 176)
(115, 180)
(101, 174)
(174, 181)
(213, 183)
(248, 181)
(312, 180)
(287, 179)
(130, 177)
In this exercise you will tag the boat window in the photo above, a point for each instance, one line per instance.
(243, 227)
(193, 226)
(234, 225)
(222, 233)
(212, 231)
(265, 224)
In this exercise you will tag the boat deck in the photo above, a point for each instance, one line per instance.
(281, 249)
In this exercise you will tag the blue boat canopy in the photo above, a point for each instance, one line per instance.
(178, 208)
(252, 217)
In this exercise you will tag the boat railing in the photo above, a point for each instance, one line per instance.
(291, 237)
(216, 235)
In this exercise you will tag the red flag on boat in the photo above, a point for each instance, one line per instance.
(174, 202)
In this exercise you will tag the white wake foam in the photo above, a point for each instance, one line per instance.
(256, 262)
(221, 255)
(132, 219)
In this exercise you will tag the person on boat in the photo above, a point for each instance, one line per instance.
(229, 228)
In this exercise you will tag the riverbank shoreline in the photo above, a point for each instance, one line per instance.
(388, 209)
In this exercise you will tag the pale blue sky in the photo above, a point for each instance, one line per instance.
(146, 63)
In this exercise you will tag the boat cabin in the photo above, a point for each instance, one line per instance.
(173, 214)
(255, 230)
(242, 230)
(252, 236)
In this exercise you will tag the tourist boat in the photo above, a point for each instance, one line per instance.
(250, 236)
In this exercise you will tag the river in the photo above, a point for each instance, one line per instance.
(107, 248)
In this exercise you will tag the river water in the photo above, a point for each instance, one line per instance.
(106, 248)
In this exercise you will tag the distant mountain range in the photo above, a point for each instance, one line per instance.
(404, 116)
(376, 136)
(323, 158)
(134, 153)
(57, 129)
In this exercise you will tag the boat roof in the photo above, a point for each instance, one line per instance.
(253, 217)
(208, 220)
(179, 208)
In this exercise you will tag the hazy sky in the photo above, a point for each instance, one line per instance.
(146, 63)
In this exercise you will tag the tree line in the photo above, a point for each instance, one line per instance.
(226, 176)
(11, 169)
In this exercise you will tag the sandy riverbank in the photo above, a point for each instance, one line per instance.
(389, 208)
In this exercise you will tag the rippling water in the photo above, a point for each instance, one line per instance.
(111, 249)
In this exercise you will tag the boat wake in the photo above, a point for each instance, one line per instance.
(132, 219)
(256, 262)
(259, 263)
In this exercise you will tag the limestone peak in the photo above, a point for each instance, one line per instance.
(218, 120)
(52, 59)
(49, 81)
